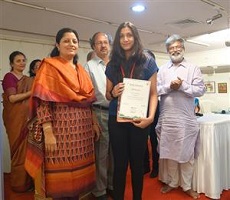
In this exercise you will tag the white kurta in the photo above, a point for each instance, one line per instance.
(177, 126)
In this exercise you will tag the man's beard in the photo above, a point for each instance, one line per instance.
(177, 57)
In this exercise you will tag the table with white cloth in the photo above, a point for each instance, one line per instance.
(212, 168)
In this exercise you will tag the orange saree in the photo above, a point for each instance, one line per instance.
(15, 116)
(63, 96)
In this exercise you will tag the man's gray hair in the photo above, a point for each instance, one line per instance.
(174, 38)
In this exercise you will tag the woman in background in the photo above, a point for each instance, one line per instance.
(17, 90)
(62, 163)
(129, 139)
(34, 66)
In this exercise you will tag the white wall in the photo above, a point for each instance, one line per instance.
(220, 101)
(219, 57)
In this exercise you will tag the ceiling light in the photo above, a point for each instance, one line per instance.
(138, 8)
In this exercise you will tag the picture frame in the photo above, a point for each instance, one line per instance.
(210, 86)
(222, 88)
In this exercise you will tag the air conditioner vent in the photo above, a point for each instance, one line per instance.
(184, 23)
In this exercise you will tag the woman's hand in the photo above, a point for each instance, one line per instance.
(118, 89)
(142, 122)
(97, 130)
(50, 140)
(14, 98)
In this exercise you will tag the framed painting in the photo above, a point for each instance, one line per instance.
(222, 88)
(210, 86)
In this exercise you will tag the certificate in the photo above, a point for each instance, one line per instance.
(134, 100)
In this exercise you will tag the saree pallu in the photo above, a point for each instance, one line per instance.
(62, 95)
(15, 116)
(70, 171)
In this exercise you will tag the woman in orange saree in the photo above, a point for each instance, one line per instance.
(61, 160)
(17, 90)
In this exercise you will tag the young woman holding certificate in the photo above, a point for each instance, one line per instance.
(129, 139)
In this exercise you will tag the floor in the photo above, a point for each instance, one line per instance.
(10, 195)
(151, 191)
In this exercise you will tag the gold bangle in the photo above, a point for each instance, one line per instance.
(46, 127)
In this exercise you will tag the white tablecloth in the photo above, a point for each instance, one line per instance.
(212, 168)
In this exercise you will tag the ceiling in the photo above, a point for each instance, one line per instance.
(160, 19)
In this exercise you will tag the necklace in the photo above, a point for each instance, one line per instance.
(18, 75)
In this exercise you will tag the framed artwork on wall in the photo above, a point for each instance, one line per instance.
(222, 88)
(210, 86)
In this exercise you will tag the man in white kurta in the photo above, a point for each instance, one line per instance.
(178, 83)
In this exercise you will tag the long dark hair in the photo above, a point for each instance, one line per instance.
(59, 36)
(32, 66)
(12, 57)
(118, 54)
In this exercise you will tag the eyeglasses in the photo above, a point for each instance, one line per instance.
(172, 48)
(102, 43)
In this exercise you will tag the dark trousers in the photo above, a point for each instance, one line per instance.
(155, 154)
(128, 144)
(154, 143)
